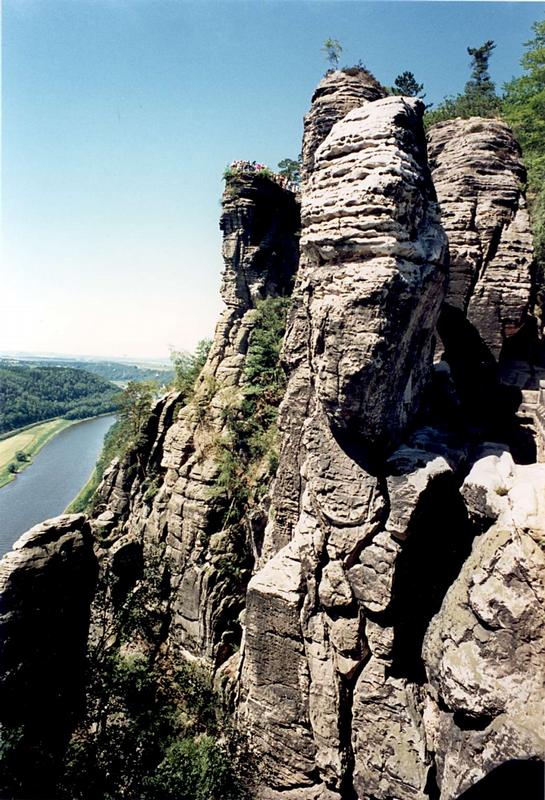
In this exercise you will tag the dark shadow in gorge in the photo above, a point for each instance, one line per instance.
(487, 408)
(524, 779)
(438, 542)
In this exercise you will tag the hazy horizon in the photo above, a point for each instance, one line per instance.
(119, 117)
(37, 354)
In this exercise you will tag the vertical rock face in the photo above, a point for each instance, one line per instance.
(478, 175)
(46, 585)
(484, 651)
(540, 422)
(373, 264)
(339, 92)
(369, 289)
(393, 629)
(178, 540)
(336, 94)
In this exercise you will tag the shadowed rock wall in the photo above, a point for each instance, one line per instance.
(46, 585)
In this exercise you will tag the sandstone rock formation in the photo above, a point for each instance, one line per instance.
(540, 422)
(484, 651)
(337, 93)
(46, 585)
(370, 285)
(478, 175)
(171, 539)
(392, 632)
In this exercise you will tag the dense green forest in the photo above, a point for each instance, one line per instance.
(109, 370)
(31, 394)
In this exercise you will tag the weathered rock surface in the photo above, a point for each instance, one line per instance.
(382, 657)
(369, 289)
(484, 655)
(478, 175)
(368, 292)
(540, 423)
(337, 93)
(46, 585)
(484, 650)
(171, 538)
(497, 489)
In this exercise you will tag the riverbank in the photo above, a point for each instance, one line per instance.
(56, 476)
(30, 440)
(81, 501)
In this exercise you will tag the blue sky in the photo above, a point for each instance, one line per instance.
(119, 117)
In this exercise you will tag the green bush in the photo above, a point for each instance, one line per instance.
(246, 455)
(151, 735)
(247, 452)
(195, 769)
(187, 368)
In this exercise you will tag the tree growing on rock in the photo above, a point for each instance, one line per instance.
(407, 85)
(135, 403)
(332, 49)
(480, 85)
(290, 169)
(479, 98)
(187, 368)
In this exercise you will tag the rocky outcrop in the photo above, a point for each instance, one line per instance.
(484, 651)
(370, 285)
(478, 175)
(172, 542)
(46, 585)
(384, 582)
(338, 92)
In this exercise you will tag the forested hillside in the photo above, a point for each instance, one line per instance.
(110, 370)
(30, 394)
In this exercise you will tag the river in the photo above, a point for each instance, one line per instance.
(53, 480)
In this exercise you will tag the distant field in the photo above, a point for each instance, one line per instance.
(30, 441)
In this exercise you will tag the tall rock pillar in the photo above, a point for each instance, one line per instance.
(370, 284)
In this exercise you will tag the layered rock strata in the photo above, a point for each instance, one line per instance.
(360, 342)
(540, 422)
(393, 627)
(338, 92)
(170, 539)
(478, 175)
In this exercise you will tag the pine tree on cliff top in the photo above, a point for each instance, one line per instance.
(480, 83)
(407, 85)
(479, 98)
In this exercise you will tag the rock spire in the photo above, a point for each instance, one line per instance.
(478, 175)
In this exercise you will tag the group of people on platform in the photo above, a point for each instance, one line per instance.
(254, 166)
